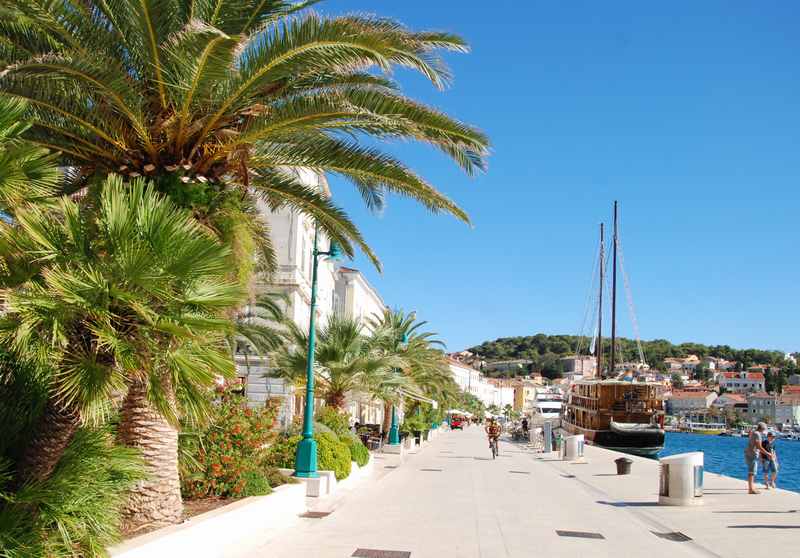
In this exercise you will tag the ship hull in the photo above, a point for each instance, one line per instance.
(647, 443)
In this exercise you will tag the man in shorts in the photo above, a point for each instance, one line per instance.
(752, 453)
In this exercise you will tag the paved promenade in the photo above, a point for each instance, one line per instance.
(453, 500)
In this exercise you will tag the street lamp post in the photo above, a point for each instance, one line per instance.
(305, 463)
(394, 429)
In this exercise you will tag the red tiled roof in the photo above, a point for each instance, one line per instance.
(748, 376)
(734, 397)
(791, 389)
(761, 395)
(690, 394)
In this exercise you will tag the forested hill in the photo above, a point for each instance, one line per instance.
(545, 350)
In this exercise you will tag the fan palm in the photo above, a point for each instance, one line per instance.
(219, 102)
(127, 299)
(344, 361)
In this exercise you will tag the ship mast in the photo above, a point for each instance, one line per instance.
(600, 304)
(614, 297)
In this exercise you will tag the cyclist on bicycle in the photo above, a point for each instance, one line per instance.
(493, 430)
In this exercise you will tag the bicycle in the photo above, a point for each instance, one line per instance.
(495, 450)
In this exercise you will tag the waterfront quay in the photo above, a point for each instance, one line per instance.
(453, 500)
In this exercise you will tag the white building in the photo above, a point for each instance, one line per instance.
(682, 402)
(472, 381)
(583, 366)
(787, 410)
(355, 298)
(742, 382)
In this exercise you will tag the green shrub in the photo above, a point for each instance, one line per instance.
(276, 478)
(255, 484)
(76, 511)
(333, 455)
(359, 452)
(218, 460)
(337, 421)
(282, 452)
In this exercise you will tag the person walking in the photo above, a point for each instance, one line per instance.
(770, 465)
(752, 453)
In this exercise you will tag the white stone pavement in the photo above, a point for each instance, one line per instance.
(512, 507)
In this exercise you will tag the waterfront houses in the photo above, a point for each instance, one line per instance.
(761, 406)
(685, 401)
(470, 380)
(787, 409)
(742, 382)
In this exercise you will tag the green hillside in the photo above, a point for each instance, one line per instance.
(545, 350)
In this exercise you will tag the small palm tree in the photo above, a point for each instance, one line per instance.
(420, 359)
(344, 361)
(127, 299)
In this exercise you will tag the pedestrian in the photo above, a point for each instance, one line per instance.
(525, 425)
(752, 453)
(770, 465)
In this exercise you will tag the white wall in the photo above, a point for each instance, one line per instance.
(355, 297)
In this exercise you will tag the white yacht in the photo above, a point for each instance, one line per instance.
(548, 404)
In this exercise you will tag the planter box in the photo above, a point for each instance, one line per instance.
(315, 487)
(223, 532)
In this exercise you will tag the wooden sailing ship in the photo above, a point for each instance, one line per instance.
(621, 415)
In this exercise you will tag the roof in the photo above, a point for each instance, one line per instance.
(791, 390)
(679, 394)
(733, 397)
(760, 395)
(792, 399)
(747, 376)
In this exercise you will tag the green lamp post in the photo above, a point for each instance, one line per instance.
(305, 462)
(394, 429)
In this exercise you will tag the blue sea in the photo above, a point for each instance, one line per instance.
(725, 455)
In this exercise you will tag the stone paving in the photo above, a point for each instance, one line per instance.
(453, 500)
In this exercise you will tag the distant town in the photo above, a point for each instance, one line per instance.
(700, 392)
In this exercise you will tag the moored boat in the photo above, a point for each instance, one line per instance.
(626, 416)
(617, 415)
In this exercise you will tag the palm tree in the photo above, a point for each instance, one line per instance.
(219, 105)
(28, 174)
(127, 299)
(418, 353)
(345, 361)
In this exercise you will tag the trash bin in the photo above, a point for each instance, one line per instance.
(681, 480)
(623, 465)
(573, 447)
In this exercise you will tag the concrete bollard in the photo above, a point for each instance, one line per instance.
(681, 480)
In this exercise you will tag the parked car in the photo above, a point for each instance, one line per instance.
(456, 424)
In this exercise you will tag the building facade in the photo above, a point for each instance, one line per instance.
(579, 366)
(742, 382)
(761, 406)
(685, 402)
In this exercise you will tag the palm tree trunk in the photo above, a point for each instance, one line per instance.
(155, 501)
(387, 416)
(54, 431)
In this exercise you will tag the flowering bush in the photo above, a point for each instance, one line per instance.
(226, 458)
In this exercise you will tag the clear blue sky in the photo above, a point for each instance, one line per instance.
(685, 111)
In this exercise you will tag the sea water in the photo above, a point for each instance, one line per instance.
(725, 455)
